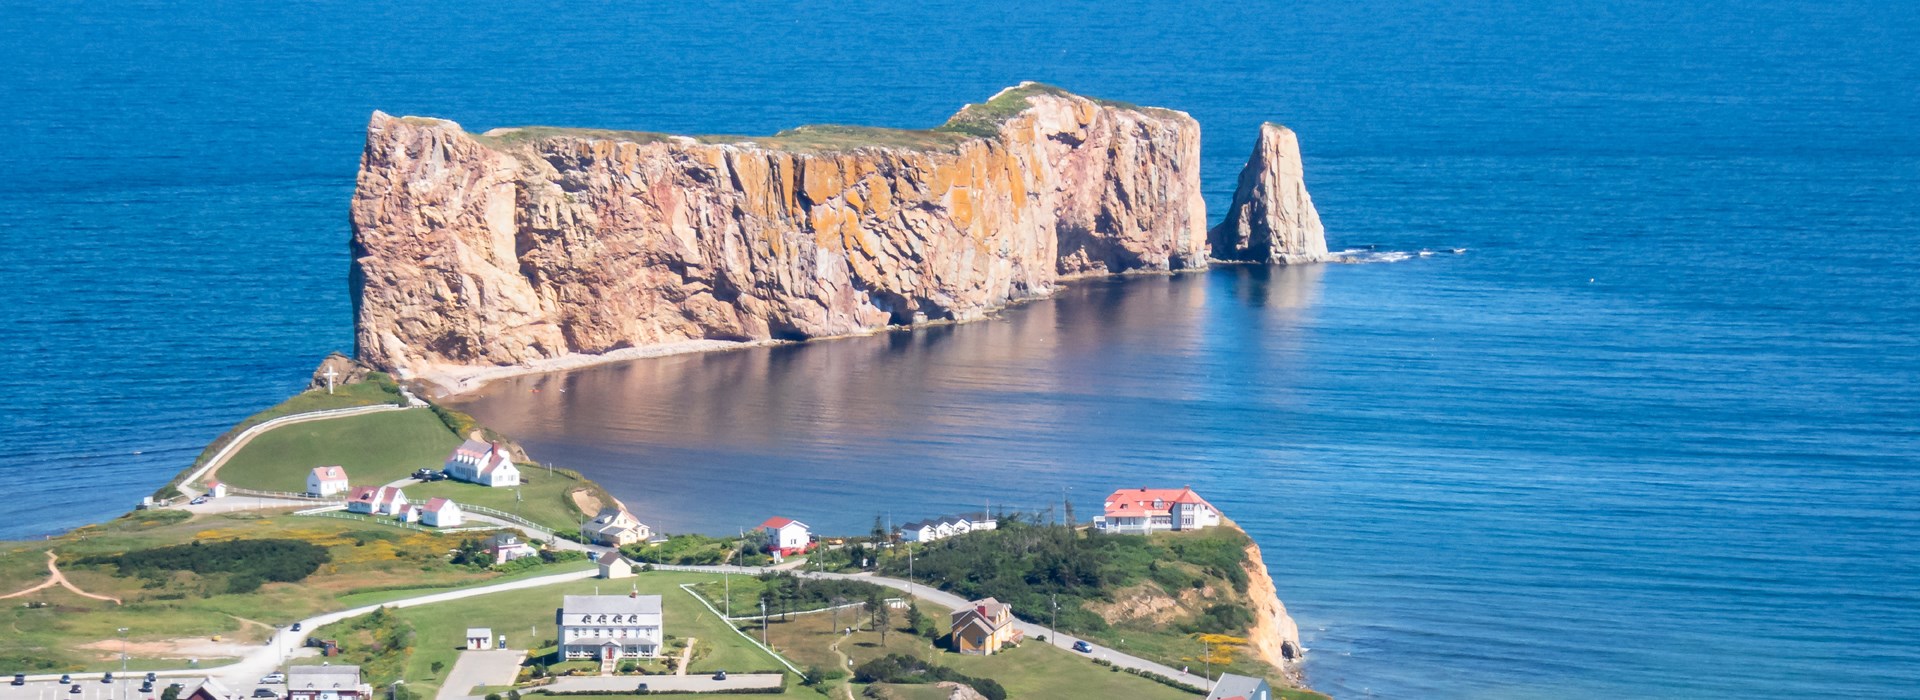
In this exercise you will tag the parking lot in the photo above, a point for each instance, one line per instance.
(120, 689)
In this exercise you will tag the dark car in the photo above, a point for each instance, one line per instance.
(146, 687)
(295, 627)
(75, 689)
(721, 676)
(198, 500)
(19, 679)
(65, 679)
(108, 678)
(1083, 647)
(265, 693)
(151, 677)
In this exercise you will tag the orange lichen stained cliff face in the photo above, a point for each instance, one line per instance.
(520, 246)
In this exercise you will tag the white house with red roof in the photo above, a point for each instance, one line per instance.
(483, 463)
(215, 489)
(1144, 511)
(786, 536)
(441, 512)
(376, 500)
(326, 481)
(406, 513)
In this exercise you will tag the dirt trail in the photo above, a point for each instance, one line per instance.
(55, 578)
(845, 662)
(686, 655)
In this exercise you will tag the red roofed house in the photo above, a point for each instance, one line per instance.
(787, 537)
(1143, 511)
(326, 481)
(983, 627)
(486, 464)
(376, 500)
(406, 513)
(440, 512)
(216, 489)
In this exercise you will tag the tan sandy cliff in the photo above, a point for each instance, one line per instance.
(524, 246)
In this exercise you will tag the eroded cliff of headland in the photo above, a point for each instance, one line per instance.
(526, 245)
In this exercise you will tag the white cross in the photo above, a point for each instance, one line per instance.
(330, 375)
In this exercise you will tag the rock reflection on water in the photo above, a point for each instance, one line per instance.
(1111, 382)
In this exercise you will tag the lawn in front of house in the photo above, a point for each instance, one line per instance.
(543, 497)
(375, 449)
(526, 617)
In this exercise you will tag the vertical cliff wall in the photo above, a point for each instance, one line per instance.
(523, 245)
(1272, 219)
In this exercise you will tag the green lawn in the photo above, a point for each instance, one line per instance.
(375, 448)
(526, 617)
(377, 389)
(70, 633)
(1033, 670)
(542, 497)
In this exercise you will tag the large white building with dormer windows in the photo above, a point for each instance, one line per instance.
(610, 627)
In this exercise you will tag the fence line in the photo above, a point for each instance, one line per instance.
(688, 587)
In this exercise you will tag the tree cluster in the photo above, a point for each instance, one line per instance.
(248, 563)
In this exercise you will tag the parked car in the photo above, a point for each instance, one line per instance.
(107, 678)
(265, 693)
(74, 689)
(721, 676)
(273, 678)
(146, 687)
(1083, 647)
(438, 476)
(295, 627)
(198, 500)
(19, 679)
(151, 677)
(65, 679)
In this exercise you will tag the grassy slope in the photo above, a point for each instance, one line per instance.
(366, 557)
(375, 448)
(1033, 670)
(377, 390)
(1165, 565)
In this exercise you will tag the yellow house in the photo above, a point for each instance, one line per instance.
(983, 627)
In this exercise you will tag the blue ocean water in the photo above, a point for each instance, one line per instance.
(1653, 433)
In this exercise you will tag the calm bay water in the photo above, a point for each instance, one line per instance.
(1654, 432)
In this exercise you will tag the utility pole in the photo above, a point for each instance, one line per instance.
(763, 622)
(1053, 633)
(1207, 655)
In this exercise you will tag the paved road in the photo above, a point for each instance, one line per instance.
(943, 598)
(703, 683)
(242, 674)
(495, 667)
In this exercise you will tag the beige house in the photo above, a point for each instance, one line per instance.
(983, 627)
(615, 527)
(612, 565)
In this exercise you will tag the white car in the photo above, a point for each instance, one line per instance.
(272, 678)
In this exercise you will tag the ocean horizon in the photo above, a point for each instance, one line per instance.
(1654, 429)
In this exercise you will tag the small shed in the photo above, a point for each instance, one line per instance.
(613, 565)
(216, 489)
(479, 638)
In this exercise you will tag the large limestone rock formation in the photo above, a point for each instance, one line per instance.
(1272, 219)
(523, 245)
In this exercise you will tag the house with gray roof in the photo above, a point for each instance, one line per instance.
(610, 627)
(1232, 687)
(326, 682)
